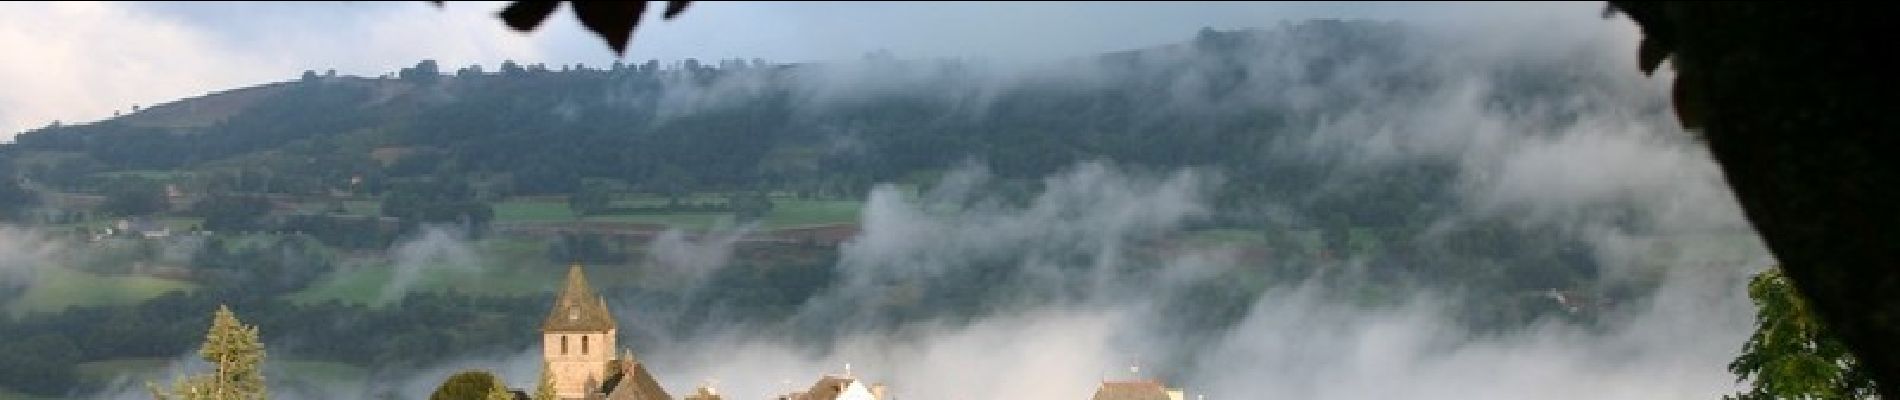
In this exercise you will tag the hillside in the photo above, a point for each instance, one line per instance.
(534, 151)
(816, 200)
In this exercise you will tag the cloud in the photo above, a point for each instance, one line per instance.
(82, 61)
(1040, 354)
(23, 252)
(1294, 344)
(79, 62)
(433, 250)
(687, 261)
(1081, 299)
(1299, 339)
(1091, 209)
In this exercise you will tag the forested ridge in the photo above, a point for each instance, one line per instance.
(275, 173)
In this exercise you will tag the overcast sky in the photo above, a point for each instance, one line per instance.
(80, 62)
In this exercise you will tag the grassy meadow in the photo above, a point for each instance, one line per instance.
(56, 288)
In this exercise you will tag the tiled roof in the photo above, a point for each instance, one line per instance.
(633, 383)
(1131, 390)
(828, 388)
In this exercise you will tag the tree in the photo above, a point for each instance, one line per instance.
(593, 197)
(544, 387)
(237, 358)
(15, 198)
(42, 364)
(426, 71)
(671, 181)
(138, 197)
(510, 68)
(1792, 355)
(750, 205)
(471, 385)
(437, 201)
(232, 212)
(1336, 236)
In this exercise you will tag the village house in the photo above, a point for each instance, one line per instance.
(145, 227)
(839, 387)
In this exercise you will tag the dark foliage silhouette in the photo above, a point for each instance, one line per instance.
(613, 21)
(1796, 103)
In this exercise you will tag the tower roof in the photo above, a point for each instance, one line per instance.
(577, 308)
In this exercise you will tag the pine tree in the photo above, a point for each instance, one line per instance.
(236, 356)
(1792, 355)
(544, 389)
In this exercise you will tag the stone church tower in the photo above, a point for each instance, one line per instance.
(577, 340)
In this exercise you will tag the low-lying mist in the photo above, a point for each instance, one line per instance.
(432, 250)
(22, 252)
(1089, 293)
(986, 287)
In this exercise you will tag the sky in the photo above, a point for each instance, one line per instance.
(78, 62)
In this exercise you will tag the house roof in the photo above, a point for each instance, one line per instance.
(1131, 390)
(577, 308)
(146, 225)
(828, 388)
(633, 383)
(704, 393)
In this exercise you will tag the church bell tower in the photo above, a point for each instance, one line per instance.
(577, 339)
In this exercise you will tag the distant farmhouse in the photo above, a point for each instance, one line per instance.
(1143, 389)
(577, 347)
(145, 227)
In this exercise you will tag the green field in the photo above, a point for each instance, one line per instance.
(178, 225)
(507, 267)
(12, 395)
(689, 220)
(365, 284)
(363, 207)
(159, 175)
(793, 213)
(532, 211)
(56, 288)
(786, 213)
(656, 201)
